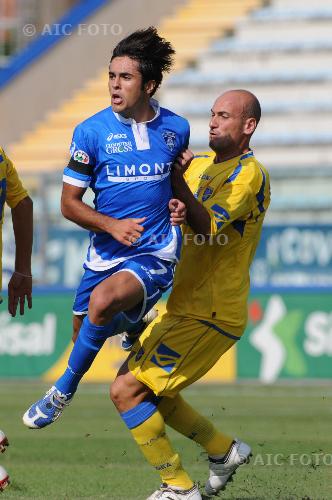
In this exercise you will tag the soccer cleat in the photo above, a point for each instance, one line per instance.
(222, 470)
(3, 442)
(4, 478)
(128, 339)
(48, 409)
(171, 493)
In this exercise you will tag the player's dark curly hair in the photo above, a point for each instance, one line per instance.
(153, 53)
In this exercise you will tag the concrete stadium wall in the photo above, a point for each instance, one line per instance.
(77, 57)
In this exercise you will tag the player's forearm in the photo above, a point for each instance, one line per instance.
(22, 217)
(198, 217)
(86, 217)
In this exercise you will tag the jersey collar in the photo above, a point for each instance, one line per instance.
(129, 121)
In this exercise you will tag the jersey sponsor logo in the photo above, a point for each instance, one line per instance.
(143, 172)
(119, 147)
(1, 158)
(170, 139)
(165, 358)
(116, 136)
(81, 156)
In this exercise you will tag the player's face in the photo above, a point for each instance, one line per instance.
(125, 86)
(227, 124)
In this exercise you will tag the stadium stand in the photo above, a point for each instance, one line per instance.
(281, 52)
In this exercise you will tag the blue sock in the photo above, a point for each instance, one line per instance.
(88, 343)
(140, 413)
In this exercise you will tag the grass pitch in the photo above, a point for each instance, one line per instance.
(89, 453)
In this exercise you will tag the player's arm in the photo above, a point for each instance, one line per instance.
(126, 231)
(20, 284)
(234, 201)
(198, 218)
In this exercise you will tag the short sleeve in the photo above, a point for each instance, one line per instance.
(233, 201)
(15, 192)
(79, 170)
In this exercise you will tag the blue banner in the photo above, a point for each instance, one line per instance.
(293, 256)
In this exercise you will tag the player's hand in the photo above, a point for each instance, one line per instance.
(127, 231)
(183, 161)
(178, 212)
(19, 290)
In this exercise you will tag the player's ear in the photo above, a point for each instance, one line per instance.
(249, 126)
(150, 86)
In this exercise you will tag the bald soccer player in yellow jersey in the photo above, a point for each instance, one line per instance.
(15, 195)
(227, 194)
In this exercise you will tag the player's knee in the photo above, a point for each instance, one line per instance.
(127, 392)
(118, 392)
(102, 305)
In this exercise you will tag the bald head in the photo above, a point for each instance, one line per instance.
(235, 115)
(245, 102)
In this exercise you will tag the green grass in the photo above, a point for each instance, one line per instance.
(89, 452)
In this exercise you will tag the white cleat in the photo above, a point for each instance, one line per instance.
(171, 493)
(222, 470)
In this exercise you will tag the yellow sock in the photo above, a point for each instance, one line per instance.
(179, 415)
(156, 447)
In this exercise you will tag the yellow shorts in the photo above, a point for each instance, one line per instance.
(176, 352)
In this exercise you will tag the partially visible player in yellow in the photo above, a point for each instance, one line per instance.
(15, 195)
(207, 309)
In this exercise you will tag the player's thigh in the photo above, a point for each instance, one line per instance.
(119, 292)
(175, 353)
(77, 323)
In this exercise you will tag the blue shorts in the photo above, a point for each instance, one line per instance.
(154, 274)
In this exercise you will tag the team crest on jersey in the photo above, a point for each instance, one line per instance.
(207, 193)
(81, 156)
(170, 139)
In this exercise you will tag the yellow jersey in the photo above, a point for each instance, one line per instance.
(11, 192)
(212, 278)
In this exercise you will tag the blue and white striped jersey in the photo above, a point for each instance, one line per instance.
(127, 165)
